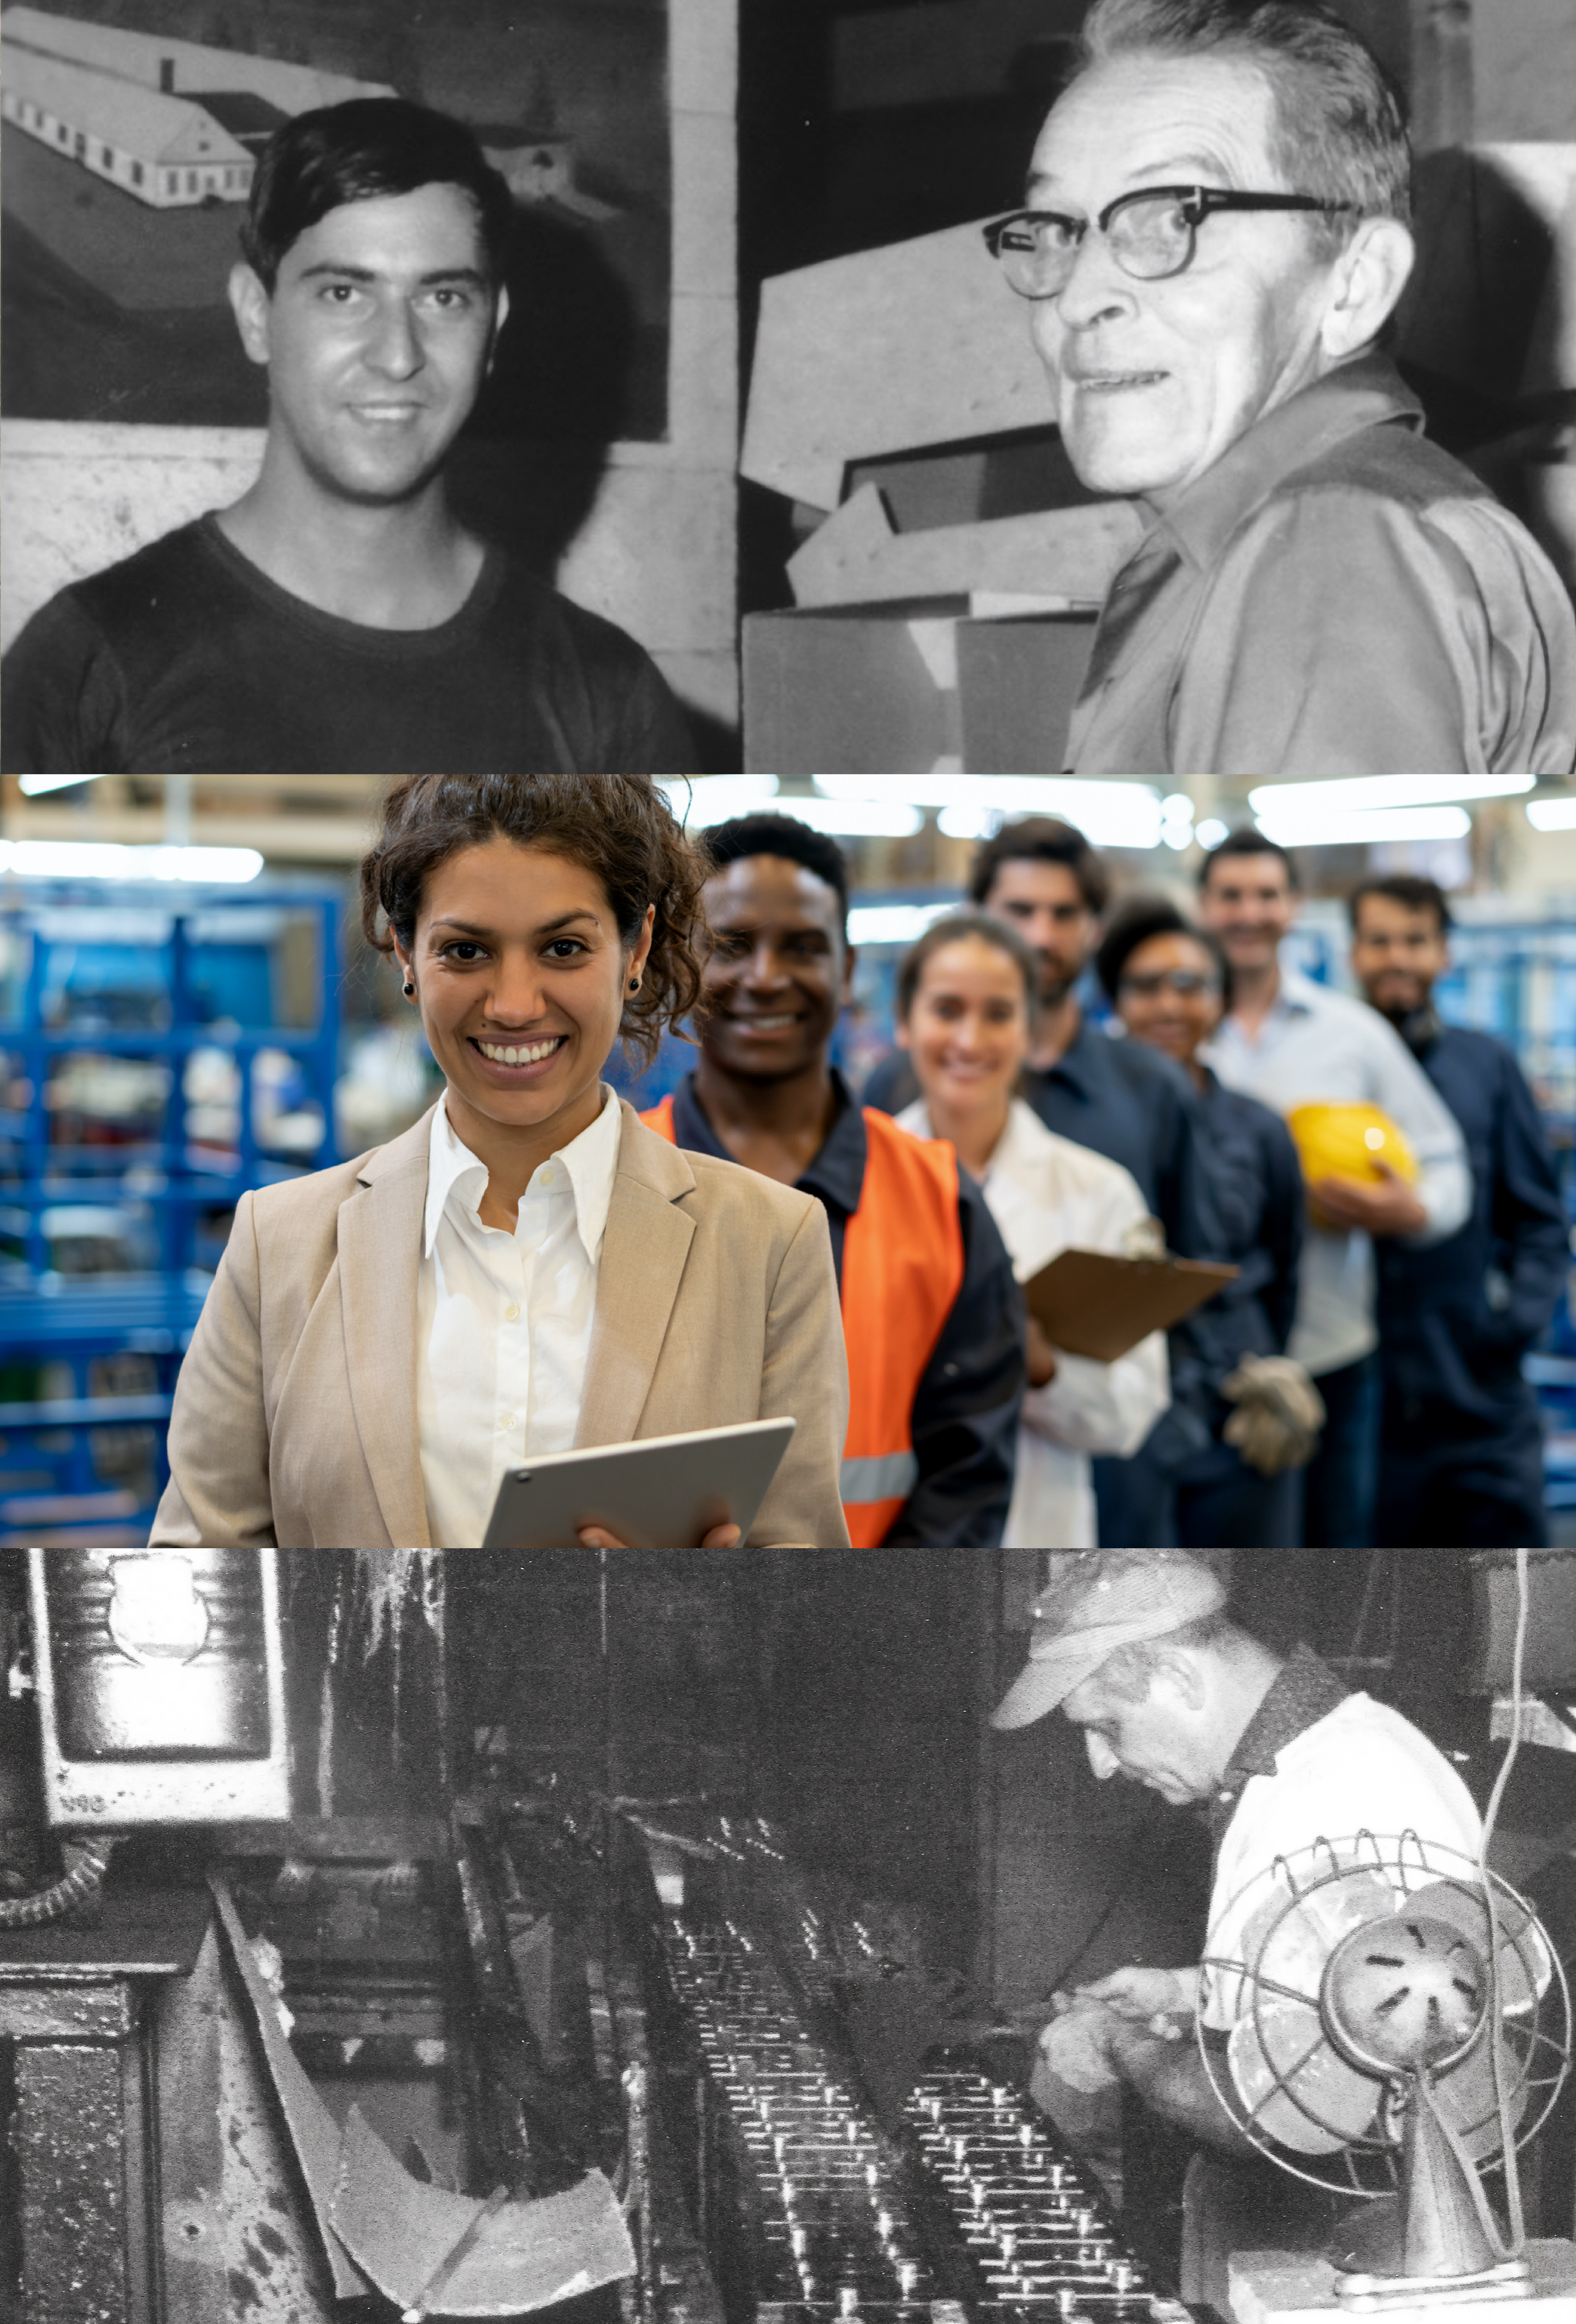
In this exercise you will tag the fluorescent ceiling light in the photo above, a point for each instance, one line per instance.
(1329, 830)
(1363, 791)
(72, 858)
(701, 800)
(1553, 813)
(893, 924)
(1211, 830)
(974, 806)
(888, 818)
(34, 786)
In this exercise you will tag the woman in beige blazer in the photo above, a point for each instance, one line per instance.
(537, 918)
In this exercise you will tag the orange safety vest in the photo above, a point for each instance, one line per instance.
(903, 1268)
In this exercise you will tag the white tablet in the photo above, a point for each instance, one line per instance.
(662, 1492)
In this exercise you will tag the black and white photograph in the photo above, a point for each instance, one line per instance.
(140, 129)
(639, 1937)
(876, 368)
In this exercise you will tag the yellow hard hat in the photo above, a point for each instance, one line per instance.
(1348, 1141)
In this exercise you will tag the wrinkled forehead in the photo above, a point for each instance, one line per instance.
(1156, 120)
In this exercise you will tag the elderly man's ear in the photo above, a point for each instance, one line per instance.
(1366, 283)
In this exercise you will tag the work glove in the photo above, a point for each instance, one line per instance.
(1278, 1416)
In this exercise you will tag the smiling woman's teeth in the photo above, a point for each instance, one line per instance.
(529, 1057)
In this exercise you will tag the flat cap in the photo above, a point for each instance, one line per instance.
(1100, 1600)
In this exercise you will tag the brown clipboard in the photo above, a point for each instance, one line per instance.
(1091, 1304)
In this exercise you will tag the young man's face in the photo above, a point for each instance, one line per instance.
(1398, 953)
(1046, 904)
(1247, 901)
(376, 340)
(778, 972)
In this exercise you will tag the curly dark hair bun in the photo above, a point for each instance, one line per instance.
(618, 827)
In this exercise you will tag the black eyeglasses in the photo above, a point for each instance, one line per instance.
(1183, 981)
(1151, 234)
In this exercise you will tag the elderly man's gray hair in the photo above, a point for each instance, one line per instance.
(1340, 128)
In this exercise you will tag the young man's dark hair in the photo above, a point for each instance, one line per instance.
(780, 835)
(1411, 891)
(1142, 918)
(356, 152)
(1041, 839)
(1248, 840)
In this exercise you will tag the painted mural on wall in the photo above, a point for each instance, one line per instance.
(131, 133)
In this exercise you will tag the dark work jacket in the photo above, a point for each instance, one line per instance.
(1456, 1318)
(966, 1408)
(1259, 1185)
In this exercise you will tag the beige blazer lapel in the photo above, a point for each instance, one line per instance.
(645, 1247)
(380, 1253)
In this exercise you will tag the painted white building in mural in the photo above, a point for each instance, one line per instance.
(173, 123)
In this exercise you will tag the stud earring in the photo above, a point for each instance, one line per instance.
(635, 984)
(409, 988)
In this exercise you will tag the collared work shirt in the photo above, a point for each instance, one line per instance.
(1336, 595)
(504, 1321)
(1048, 1195)
(1358, 1767)
(1316, 1045)
(966, 1408)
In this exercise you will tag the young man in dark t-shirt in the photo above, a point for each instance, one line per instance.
(338, 616)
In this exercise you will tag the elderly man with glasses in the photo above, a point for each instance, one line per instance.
(1217, 240)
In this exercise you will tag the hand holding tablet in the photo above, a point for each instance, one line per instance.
(699, 1491)
(726, 1536)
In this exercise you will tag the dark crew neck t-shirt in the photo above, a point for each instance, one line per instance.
(187, 657)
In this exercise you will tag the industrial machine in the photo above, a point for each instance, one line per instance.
(846, 2155)
(1398, 2026)
(159, 1681)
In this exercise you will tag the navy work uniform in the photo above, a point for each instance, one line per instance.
(1461, 1447)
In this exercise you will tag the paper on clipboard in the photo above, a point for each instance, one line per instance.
(1091, 1304)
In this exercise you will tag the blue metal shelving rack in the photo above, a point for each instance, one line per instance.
(204, 975)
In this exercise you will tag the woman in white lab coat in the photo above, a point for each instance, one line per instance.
(964, 1003)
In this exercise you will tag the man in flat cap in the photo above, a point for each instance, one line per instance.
(1137, 1646)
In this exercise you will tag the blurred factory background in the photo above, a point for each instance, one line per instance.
(187, 1010)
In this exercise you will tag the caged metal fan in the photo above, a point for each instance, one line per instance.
(1394, 2030)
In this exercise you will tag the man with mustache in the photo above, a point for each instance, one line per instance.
(1216, 239)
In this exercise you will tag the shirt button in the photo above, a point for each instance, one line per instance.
(511, 1313)
(546, 1174)
(507, 1421)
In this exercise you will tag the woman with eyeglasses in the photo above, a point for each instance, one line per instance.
(1169, 983)
(965, 1007)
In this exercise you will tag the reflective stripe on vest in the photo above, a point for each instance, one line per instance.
(879, 1477)
(903, 1268)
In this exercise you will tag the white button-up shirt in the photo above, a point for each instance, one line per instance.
(1048, 1195)
(1316, 1045)
(504, 1321)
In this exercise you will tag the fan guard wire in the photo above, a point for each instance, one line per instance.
(1406, 1862)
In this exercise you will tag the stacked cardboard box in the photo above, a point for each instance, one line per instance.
(945, 600)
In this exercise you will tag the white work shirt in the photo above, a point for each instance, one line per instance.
(1047, 1196)
(504, 1321)
(1318, 1046)
(1362, 1768)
